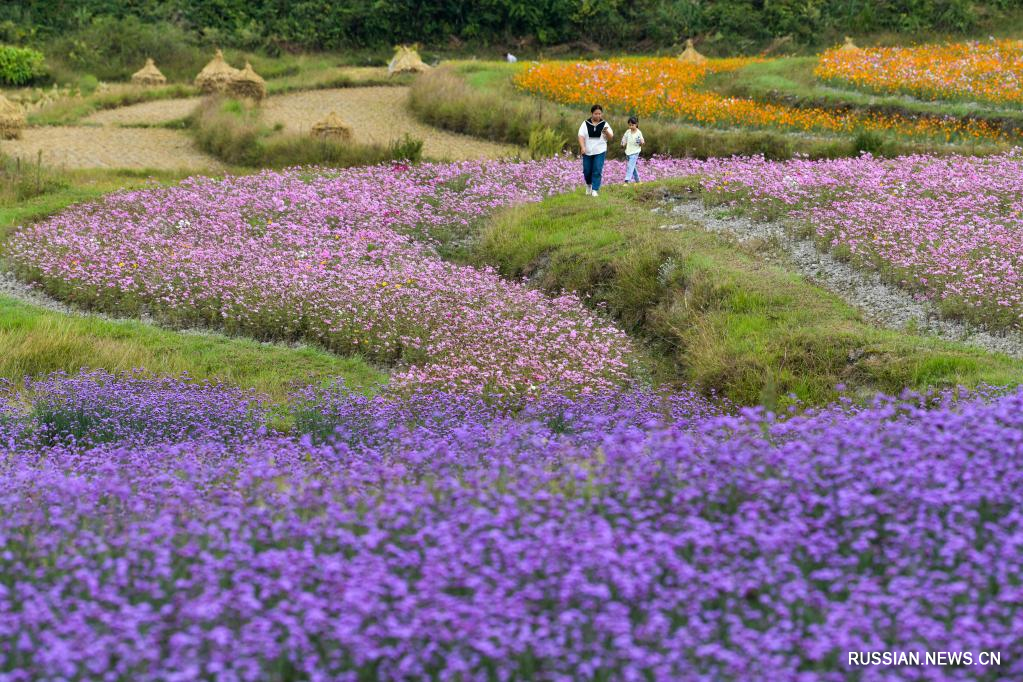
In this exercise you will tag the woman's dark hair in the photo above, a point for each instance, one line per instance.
(633, 119)
(595, 107)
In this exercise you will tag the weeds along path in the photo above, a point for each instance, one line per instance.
(378, 115)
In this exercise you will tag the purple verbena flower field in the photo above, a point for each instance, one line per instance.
(514, 504)
(590, 540)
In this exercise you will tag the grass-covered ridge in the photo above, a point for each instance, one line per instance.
(719, 317)
(35, 341)
(30, 191)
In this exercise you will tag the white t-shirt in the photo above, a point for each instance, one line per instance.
(631, 140)
(594, 145)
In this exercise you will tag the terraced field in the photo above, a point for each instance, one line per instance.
(113, 139)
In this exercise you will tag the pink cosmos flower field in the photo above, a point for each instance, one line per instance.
(331, 257)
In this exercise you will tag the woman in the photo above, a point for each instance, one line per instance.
(594, 134)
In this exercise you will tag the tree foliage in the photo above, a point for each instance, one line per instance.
(339, 24)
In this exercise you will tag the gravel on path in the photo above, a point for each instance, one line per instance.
(881, 303)
(13, 287)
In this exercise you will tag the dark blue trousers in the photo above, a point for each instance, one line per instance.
(593, 169)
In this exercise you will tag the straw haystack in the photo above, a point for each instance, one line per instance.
(333, 128)
(12, 119)
(849, 46)
(690, 55)
(148, 75)
(406, 60)
(215, 76)
(247, 84)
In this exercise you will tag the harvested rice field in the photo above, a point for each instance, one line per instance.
(377, 114)
(145, 113)
(109, 147)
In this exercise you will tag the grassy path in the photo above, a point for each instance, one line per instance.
(35, 341)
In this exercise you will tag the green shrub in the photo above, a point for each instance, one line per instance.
(869, 141)
(87, 84)
(20, 65)
(545, 143)
(407, 148)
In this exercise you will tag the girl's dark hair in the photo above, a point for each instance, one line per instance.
(595, 107)
(633, 119)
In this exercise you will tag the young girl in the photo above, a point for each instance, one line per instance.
(633, 141)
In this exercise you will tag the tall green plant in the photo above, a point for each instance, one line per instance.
(545, 143)
(20, 65)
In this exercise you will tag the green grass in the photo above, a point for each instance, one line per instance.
(715, 316)
(486, 75)
(35, 341)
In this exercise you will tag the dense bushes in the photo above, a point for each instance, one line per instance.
(332, 24)
(19, 65)
(113, 48)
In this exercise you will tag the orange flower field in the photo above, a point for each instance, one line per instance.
(667, 87)
(987, 72)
